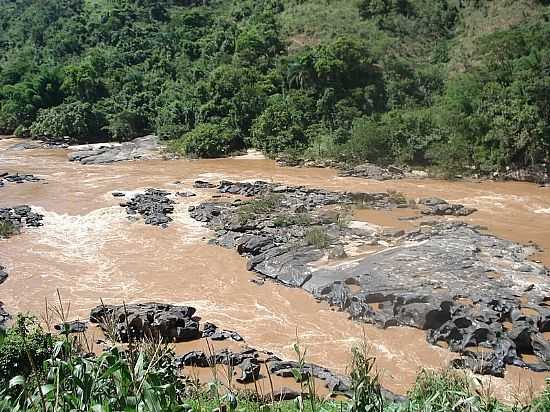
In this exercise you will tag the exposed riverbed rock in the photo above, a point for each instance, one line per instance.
(17, 178)
(154, 206)
(169, 323)
(372, 171)
(3, 274)
(211, 331)
(147, 147)
(440, 207)
(19, 217)
(466, 288)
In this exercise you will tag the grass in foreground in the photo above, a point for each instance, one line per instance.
(41, 372)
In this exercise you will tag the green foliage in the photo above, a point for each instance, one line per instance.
(366, 389)
(317, 237)
(385, 81)
(24, 338)
(7, 229)
(255, 207)
(207, 140)
(299, 219)
(76, 120)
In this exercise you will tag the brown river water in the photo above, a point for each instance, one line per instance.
(89, 250)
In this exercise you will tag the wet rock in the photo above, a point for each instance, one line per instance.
(148, 320)
(201, 184)
(17, 178)
(213, 332)
(282, 394)
(372, 171)
(185, 194)
(250, 371)
(3, 274)
(4, 317)
(147, 147)
(75, 326)
(19, 217)
(439, 207)
(154, 206)
(195, 358)
(448, 278)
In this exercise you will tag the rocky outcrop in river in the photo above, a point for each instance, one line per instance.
(154, 206)
(147, 147)
(472, 291)
(13, 219)
(5, 177)
(172, 323)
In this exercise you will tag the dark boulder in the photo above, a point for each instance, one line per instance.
(169, 323)
(75, 326)
(211, 331)
(250, 371)
(3, 274)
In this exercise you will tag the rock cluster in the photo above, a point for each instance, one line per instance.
(154, 206)
(146, 147)
(171, 323)
(20, 216)
(147, 320)
(17, 178)
(211, 331)
(372, 171)
(440, 207)
(473, 291)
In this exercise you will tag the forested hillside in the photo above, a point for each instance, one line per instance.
(448, 83)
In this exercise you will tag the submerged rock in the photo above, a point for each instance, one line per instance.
(147, 147)
(17, 178)
(169, 323)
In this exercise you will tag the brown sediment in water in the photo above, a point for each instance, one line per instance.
(89, 250)
(388, 218)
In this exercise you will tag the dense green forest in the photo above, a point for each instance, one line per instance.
(450, 83)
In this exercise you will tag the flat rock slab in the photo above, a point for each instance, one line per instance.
(147, 147)
(464, 287)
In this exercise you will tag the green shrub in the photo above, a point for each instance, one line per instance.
(255, 207)
(7, 229)
(207, 140)
(317, 237)
(77, 120)
(25, 339)
(300, 219)
(125, 126)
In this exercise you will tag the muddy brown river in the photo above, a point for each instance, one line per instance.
(89, 250)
